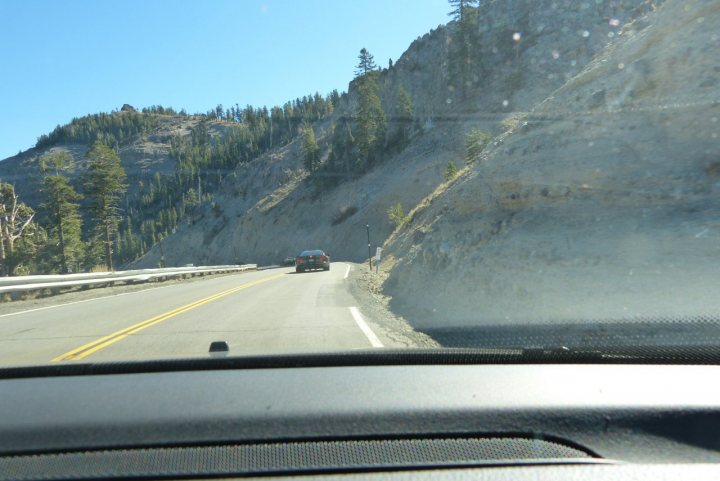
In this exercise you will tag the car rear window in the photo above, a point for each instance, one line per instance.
(311, 253)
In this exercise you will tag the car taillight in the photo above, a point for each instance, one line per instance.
(323, 258)
(299, 260)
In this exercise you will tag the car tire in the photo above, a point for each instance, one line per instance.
(299, 270)
(326, 268)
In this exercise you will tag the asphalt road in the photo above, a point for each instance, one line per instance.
(272, 311)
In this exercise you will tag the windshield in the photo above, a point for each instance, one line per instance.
(486, 174)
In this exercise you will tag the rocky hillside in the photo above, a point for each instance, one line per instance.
(601, 202)
(266, 208)
(270, 212)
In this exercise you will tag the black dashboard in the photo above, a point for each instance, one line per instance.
(365, 421)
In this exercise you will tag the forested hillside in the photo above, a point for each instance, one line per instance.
(170, 166)
(165, 166)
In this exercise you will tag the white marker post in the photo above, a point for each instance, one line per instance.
(378, 255)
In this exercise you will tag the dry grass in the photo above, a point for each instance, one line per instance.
(512, 121)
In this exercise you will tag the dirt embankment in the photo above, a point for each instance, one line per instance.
(603, 203)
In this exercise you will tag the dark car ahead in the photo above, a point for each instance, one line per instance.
(316, 259)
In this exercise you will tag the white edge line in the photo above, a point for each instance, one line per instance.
(347, 272)
(80, 302)
(365, 328)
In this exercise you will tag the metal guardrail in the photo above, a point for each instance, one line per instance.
(101, 279)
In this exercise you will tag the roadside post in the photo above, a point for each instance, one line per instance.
(367, 226)
(378, 256)
(162, 255)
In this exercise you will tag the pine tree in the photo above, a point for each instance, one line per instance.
(191, 197)
(63, 211)
(311, 151)
(404, 105)
(404, 116)
(334, 98)
(475, 143)
(451, 171)
(367, 63)
(105, 183)
(396, 215)
(464, 43)
(461, 7)
(370, 120)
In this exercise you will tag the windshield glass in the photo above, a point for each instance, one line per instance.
(466, 173)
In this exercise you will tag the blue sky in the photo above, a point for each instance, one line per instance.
(61, 59)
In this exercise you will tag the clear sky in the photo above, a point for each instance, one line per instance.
(61, 59)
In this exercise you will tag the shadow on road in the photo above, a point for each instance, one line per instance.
(305, 272)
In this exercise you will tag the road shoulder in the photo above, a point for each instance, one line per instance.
(365, 287)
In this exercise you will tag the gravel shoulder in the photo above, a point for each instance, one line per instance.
(366, 288)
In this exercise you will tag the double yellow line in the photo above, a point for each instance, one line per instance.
(94, 346)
